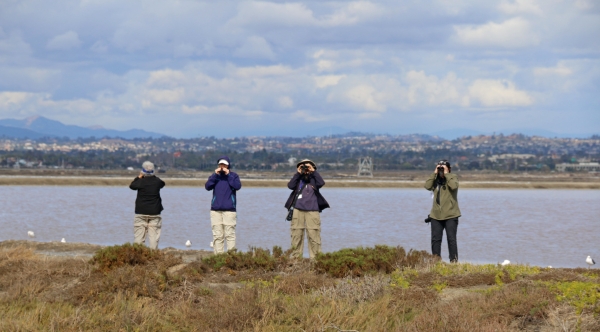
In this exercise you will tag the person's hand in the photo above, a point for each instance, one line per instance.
(218, 171)
(226, 170)
(300, 169)
(141, 175)
(310, 168)
(446, 171)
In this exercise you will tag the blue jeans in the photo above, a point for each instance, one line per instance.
(437, 232)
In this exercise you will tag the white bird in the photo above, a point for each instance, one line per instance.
(63, 240)
(549, 266)
(188, 243)
(590, 261)
(506, 262)
(30, 233)
(211, 244)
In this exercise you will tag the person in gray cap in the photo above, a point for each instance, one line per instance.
(148, 206)
(307, 204)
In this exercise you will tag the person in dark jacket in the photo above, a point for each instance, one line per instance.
(444, 212)
(223, 214)
(307, 202)
(148, 206)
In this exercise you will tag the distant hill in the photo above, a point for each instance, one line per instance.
(38, 126)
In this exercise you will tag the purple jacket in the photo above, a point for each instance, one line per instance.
(224, 188)
(316, 181)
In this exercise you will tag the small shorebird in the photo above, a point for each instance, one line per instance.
(31, 234)
(188, 243)
(63, 240)
(506, 262)
(590, 261)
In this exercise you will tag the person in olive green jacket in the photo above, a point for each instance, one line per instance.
(444, 212)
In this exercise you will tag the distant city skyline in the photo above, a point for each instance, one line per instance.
(266, 68)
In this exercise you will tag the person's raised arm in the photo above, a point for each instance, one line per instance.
(234, 181)
(211, 182)
(294, 181)
(452, 181)
(319, 182)
(135, 184)
(430, 183)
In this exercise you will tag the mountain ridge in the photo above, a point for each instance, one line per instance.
(37, 126)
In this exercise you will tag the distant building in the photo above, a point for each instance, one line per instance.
(590, 167)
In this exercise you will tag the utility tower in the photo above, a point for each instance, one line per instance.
(365, 167)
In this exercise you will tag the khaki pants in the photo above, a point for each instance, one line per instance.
(223, 229)
(144, 224)
(311, 222)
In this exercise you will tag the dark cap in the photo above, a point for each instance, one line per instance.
(444, 162)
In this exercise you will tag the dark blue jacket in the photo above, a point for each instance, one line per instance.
(224, 188)
(316, 181)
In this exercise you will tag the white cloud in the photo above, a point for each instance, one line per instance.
(309, 116)
(520, 7)
(64, 42)
(365, 97)
(12, 46)
(255, 47)
(494, 93)
(560, 70)
(327, 80)
(285, 102)
(513, 33)
(430, 90)
(353, 13)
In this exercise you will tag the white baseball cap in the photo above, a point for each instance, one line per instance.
(223, 161)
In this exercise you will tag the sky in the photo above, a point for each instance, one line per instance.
(253, 68)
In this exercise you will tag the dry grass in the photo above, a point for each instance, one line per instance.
(40, 294)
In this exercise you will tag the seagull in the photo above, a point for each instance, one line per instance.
(590, 261)
(188, 243)
(63, 240)
(31, 234)
(506, 262)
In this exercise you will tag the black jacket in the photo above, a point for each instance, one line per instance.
(316, 181)
(148, 199)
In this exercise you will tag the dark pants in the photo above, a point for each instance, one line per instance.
(437, 232)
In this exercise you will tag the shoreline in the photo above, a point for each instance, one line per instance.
(19, 180)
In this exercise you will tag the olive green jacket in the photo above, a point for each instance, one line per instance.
(448, 193)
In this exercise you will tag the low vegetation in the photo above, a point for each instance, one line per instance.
(133, 288)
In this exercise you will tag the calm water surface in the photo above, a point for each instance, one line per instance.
(539, 227)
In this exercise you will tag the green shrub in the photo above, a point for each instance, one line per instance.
(360, 261)
(113, 257)
(255, 258)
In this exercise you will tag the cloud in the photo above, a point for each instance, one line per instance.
(327, 80)
(309, 116)
(64, 42)
(560, 70)
(494, 93)
(255, 47)
(520, 7)
(513, 33)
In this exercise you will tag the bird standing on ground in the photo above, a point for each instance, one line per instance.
(63, 240)
(188, 243)
(590, 261)
(30, 234)
(506, 262)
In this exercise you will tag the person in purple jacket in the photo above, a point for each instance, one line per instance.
(307, 203)
(223, 215)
